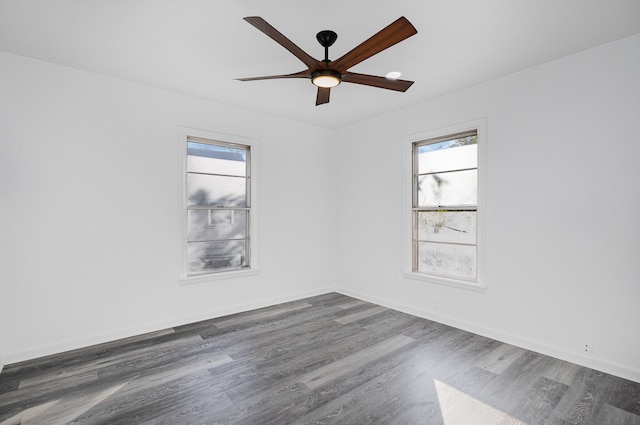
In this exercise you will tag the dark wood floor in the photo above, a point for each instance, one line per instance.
(329, 359)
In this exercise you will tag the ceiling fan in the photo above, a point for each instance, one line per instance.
(326, 73)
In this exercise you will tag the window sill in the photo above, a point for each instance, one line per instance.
(439, 280)
(184, 280)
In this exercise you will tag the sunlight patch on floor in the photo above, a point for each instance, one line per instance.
(29, 414)
(459, 408)
(63, 411)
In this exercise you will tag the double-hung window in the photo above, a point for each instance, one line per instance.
(217, 206)
(444, 216)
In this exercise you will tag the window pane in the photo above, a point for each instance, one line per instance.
(447, 259)
(213, 256)
(455, 188)
(438, 157)
(205, 190)
(208, 225)
(447, 226)
(205, 158)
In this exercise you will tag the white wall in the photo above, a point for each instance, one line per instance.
(89, 185)
(562, 208)
(90, 188)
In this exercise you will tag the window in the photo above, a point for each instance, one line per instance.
(445, 190)
(217, 206)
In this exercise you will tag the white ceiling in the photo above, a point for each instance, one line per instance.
(198, 47)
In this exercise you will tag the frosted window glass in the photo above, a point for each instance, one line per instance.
(208, 225)
(447, 226)
(447, 259)
(207, 190)
(213, 256)
(453, 158)
(455, 188)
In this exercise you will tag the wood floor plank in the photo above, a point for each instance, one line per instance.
(353, 303)
(404, 381)
(508, 389)
(273, 325)
(562, 372)
(583, 399)
(406, 390)
(351, 363)
(622, 394)
(329, 359)
(540, 401)
(364, 314)
(610, 415)
(8, 384)
(501, 358)
(258, 315)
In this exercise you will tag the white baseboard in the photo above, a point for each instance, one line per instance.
(596, 363)
(537, 346)
(140, 329)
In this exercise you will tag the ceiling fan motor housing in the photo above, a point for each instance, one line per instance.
(326, 38)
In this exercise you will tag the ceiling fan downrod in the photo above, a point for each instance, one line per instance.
(326, 39)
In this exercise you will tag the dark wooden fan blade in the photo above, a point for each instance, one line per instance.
(323, 95)
(279, 38)
(375, 81)
(301, 74)
(394, 33)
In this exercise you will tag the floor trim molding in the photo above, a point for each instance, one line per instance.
(139, 329)
(600, 364)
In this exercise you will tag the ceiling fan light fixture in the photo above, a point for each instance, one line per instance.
(326, 78)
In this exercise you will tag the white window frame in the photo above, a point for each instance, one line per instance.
(183, 276)
(480, 284)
